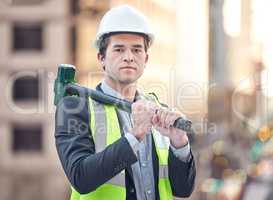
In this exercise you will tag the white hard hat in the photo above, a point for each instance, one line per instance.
(124, 19)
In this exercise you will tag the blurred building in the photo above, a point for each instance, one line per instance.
(34, 37)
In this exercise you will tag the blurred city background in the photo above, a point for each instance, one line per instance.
(212, 59)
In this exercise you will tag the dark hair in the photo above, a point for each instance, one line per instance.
(104, 42)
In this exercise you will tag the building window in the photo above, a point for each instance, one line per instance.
(27, 37)
(27, 138)
(26, 88)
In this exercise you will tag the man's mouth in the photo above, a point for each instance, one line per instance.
(128, 67)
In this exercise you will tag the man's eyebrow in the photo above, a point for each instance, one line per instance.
(118, 46)
(137, 46)
(121, 45)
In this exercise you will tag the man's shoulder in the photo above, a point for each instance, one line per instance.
(73, 104)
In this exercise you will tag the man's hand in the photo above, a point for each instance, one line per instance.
(163, 121)
(142, 114)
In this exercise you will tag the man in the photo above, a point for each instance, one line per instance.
(107, 153)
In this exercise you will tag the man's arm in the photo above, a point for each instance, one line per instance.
(181, 174)
(85, 169)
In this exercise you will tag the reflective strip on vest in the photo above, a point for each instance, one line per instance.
(163, 171)
(100, 130)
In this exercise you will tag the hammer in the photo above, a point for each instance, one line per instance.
(65, 85)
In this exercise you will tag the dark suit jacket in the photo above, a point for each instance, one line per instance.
(87, 170)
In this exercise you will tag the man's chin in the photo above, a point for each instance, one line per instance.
(128, 81)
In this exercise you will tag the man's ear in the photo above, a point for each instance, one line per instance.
(100, 58)
(147, 58)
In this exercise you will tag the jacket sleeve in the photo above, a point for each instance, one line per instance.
(86, 169)
(182, 175)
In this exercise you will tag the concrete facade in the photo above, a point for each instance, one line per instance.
(27, 175)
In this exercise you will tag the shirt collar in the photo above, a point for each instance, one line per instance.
(110, 91)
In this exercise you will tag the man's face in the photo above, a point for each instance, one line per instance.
(125, 58)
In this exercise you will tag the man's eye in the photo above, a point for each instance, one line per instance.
(137, 50)
(117, 50)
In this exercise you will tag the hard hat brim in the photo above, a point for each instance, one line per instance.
(96, 43)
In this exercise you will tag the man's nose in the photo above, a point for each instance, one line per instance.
(128, 56)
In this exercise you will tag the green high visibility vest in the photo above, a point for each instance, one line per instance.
(104, 121)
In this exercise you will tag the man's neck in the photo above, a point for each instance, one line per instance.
(127, 91)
